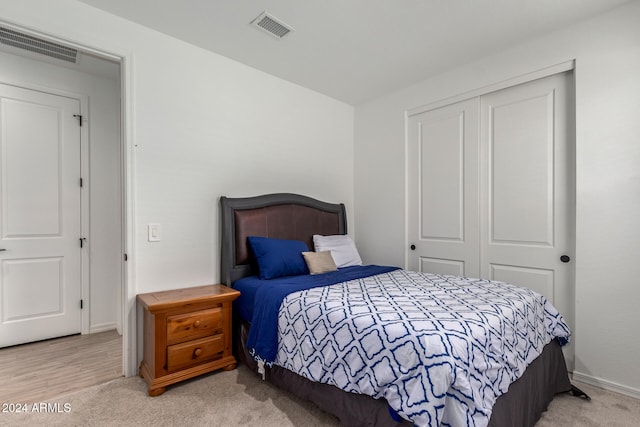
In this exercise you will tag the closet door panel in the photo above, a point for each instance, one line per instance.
(521, 166)
(441, 157)
(537, 279)
(527, 189)
(442, 184)
(441, 266)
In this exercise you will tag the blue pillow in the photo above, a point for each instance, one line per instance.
(278, 257)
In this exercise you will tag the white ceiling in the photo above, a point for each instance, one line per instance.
(356, 50)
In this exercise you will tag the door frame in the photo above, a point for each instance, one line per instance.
(127, 191)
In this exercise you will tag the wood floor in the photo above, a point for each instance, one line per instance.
(38, 371)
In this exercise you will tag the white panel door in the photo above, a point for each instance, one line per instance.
(527, 199)
(40, 259)
(443, 190)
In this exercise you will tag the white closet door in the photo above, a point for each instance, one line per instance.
(527, 195)
(443, 190)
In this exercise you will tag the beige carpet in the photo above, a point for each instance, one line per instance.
(240, 398)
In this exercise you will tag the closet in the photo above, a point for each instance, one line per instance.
(491, 188)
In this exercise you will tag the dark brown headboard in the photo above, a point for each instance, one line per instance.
(279, 216)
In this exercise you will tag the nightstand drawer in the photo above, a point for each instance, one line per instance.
(194, 352)
(198, 324)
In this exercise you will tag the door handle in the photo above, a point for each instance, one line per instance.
(413, 247)
(565, 258)
(2, 249)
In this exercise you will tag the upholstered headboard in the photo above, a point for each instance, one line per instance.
(279, 216)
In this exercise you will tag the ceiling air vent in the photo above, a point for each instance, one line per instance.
(36, 45)
(271, 25)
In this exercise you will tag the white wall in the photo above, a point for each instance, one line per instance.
(105, 276)
(607, 55)
(201, 126)
(213, 127)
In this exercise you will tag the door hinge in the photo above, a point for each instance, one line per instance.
(81, 182)
(82, 240)
(79, 117)
(81, 304)
(126, 257)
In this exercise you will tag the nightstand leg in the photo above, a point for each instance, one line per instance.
(157, 391)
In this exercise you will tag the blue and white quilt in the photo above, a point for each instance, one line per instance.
(439, 349)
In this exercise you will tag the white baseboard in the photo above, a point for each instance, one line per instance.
(607, 385)
(102, 327)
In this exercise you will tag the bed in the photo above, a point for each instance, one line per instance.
(353, 385)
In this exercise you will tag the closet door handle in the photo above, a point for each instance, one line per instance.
(413, 247)
(565, 258)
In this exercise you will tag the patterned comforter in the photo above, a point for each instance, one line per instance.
(439, 349)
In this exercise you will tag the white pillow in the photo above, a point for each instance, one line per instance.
(342, 247)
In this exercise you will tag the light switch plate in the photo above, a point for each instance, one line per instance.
(154, 232)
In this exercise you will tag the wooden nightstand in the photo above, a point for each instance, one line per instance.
(187, 332)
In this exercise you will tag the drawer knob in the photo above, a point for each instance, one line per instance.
(197, 352)
(196, 323)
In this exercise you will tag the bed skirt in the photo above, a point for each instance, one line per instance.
(522, 405)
